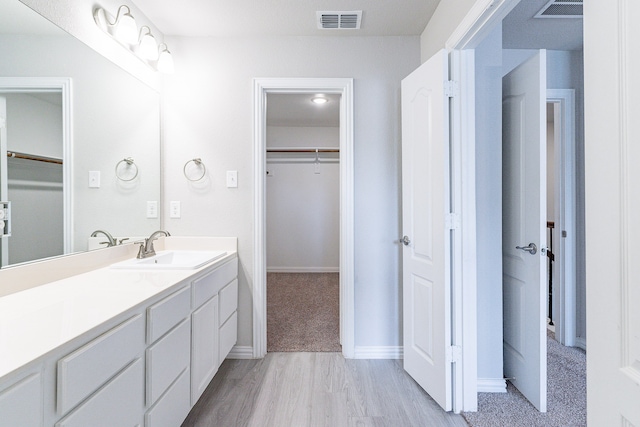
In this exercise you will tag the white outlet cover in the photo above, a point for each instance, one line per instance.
(152, 209)
(174, 209)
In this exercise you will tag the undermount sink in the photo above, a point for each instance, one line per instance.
(171, 260)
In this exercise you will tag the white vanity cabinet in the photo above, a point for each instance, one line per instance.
(145, 367)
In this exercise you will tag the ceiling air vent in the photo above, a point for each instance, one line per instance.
(339, 20)
(561, 9)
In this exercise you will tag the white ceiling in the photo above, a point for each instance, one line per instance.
(284, 17)
(520, 30)
(298, 110)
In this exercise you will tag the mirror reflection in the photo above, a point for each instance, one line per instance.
(79, 143)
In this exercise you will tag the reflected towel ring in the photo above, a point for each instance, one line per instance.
(130, 163)
(199, 164)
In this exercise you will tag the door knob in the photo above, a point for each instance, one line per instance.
(531, 248)
(405, 240)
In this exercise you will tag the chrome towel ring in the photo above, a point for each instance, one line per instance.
(128, 165)
(197, 165)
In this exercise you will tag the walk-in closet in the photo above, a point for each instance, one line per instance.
(303, 222)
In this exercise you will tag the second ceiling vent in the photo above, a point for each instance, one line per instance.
(339, 20)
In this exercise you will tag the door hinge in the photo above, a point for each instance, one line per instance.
(452, 221)
(450, 88)
(564, 233)
(454, 354)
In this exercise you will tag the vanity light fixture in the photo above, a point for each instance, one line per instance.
(124, 30)
(319, 99)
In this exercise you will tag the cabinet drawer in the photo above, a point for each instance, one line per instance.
(88, 368)
(228, 301)
(173, 407)
(207, 286)
(166, 359)
(21, 403)
(228, 336)
(119, 403)
(164, 315)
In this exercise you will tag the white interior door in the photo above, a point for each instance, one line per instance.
(524, 227)
(612, 211)
(425, 202)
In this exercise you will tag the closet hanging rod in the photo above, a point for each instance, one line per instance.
(16, 155)
(303, 150)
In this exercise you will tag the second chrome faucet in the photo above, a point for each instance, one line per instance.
(146, 248)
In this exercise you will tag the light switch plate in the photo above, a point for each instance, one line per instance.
(232, 179)
(174, 209)
(94, 179)
(152, 209)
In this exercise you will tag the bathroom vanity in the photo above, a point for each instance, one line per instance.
(117, 346)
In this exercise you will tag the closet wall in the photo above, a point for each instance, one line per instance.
(35, 187)
(303, 204)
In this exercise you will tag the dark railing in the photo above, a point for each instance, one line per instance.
(551, 259)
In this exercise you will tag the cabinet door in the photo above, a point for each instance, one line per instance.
(21, 403)
(204, 347)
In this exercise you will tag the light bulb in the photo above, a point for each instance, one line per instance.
(126, 29)
(165, 60)
(148, 49)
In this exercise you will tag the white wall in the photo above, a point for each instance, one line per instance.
(444, 21)
(489, 210)
(551, 175)
(34, 126)
(208, 113)
(303, 207)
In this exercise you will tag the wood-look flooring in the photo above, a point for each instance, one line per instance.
(316, 389)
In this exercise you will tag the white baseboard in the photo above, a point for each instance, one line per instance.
(303, 269)
(581, 343)
(492, 385)
(379, 352)
(241, 352)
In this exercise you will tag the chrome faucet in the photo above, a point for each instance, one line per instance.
(111, 242)
(146, 248)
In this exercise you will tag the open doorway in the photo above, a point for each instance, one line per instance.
(262, 89)
(303, 222)
(505, 45)
(35, 168)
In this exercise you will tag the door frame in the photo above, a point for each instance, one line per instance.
(564, 278)
(483, 16)
(261, 88)
(62, 85)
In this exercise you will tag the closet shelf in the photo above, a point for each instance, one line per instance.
(16, 155)
(302, 150)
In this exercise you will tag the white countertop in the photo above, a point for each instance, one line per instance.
(37, 320)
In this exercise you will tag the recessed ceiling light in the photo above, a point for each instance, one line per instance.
(319, 99)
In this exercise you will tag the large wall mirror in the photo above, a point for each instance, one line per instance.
(68, 120)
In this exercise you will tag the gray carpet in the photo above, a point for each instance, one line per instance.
(566, 396)
(303, 312)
